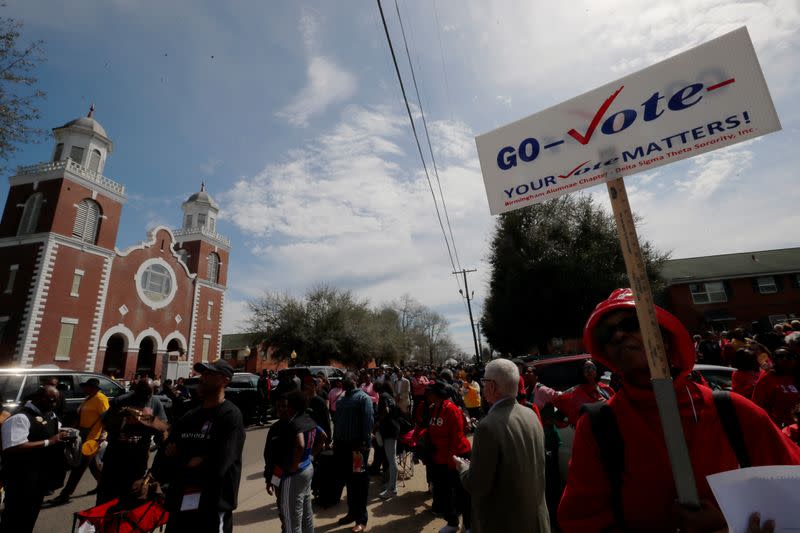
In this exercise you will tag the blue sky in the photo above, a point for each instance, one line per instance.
(291, 114)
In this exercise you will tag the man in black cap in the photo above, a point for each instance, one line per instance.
(132, 421)
(203, 458)
(90, 425)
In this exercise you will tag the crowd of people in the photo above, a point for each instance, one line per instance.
(488, 438)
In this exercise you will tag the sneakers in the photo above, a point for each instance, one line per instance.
(385, 495)
(449, 529)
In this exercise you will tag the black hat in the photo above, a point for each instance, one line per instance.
(217, 367)
(91, 382)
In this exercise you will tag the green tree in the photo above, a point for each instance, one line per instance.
(551, 264)
(18, 94)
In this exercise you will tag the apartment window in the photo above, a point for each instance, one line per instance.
(212, 224)
(710, 292)
(65, 338)
(12, 277)
(94, 160)
(206, 347)
(766, 285)
(209, 310)
(76, 154)
(201, 220)
(76, 283)
(30, 214)
(59, 151)
(87, 220)
(188, 222)
(213, 267)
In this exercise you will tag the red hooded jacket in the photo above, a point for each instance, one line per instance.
(648, 489)
(446, 432)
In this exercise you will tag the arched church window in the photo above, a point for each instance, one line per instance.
(87, 221)
(213, 267)
(30, 214)
(76, 154)
(94, 160)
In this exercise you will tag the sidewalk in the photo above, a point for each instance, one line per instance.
(408, 512)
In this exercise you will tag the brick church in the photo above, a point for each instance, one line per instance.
(69, 297)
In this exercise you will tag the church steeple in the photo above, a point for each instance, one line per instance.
(84, 141)
(200, 211)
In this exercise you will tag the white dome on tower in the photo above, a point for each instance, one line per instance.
(87, 123)
(84, 141)
(200, 211)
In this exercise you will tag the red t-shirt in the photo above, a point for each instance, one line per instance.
(446, 431)
(777, 395)
(744, 381)
(572, 400)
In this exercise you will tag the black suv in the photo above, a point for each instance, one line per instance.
(19, 383)
(242, 391)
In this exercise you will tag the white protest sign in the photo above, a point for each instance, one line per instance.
(706, 98)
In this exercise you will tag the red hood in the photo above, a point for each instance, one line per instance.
(682, 353)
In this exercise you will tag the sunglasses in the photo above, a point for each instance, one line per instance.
(605, 332)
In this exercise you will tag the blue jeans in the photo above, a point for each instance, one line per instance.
(390, 475)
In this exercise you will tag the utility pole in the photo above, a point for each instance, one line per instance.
(469, 307)
(480, 344)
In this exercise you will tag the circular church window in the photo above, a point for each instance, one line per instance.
(155, 283)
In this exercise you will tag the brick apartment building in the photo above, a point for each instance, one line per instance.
(69, 297)
(721, 292)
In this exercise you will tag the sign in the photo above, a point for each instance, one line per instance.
(703, 99)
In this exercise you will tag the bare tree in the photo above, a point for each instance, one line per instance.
(432, 332)
(18, 94)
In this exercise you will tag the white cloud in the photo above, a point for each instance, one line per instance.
(327, 84)
(234, 315)
(353, 208)
(713, 169)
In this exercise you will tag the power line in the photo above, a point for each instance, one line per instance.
(427, 135)
(416, 136)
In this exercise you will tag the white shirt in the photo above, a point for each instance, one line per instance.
(16, 428)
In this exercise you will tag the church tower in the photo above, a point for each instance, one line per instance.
(205, 253)
(57, 237)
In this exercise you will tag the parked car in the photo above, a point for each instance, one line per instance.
(16, 384)
(242, 391)
(718, 377)
(331, 372)
(562, 372)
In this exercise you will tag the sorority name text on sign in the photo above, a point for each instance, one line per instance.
(706, 98)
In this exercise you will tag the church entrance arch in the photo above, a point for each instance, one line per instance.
(146, 360)
(116, 350)
(174, 347)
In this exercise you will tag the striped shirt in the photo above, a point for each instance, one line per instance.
(354, 417)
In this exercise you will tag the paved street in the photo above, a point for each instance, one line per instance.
(257, 511)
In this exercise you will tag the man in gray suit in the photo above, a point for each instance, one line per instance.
(506, 474)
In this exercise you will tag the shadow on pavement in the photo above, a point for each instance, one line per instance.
(254, 516)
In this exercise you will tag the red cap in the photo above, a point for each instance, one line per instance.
(682, 354)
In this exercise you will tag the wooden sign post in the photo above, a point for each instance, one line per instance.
(700, 100)
(654, 346)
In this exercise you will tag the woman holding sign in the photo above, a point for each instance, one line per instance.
(620, 476)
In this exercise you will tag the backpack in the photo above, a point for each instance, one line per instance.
(611, 446)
